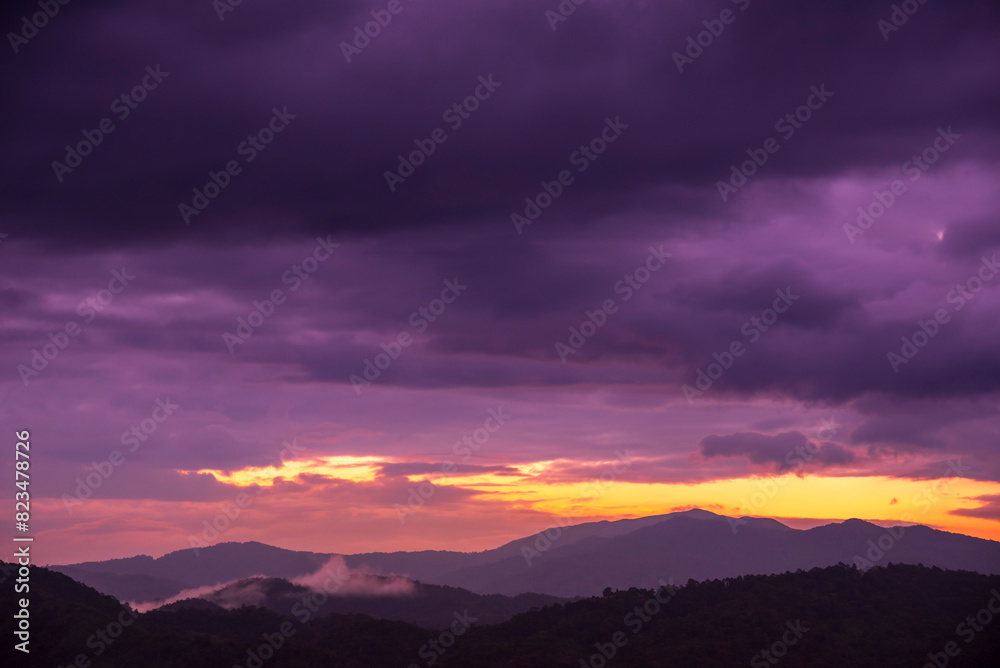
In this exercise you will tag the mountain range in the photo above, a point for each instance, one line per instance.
(567, 562)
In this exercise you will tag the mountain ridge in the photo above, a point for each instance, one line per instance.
(575, 560)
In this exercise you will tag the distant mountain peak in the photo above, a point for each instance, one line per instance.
(696, 512)
(855, 522)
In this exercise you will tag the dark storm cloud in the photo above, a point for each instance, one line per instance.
(759, 448)
(325, 172)
(784, 450)
(833, 454)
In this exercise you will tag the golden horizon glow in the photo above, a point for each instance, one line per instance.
(812, 497)
(818, 498)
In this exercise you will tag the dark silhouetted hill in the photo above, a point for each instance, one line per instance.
(897, 616)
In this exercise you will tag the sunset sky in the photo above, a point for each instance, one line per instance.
(652, 330)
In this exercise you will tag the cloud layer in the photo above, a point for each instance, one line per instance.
(309, 300)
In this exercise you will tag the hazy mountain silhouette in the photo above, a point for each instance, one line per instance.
(573, 561)
(686, 548)
(427, 606)
(144, 578)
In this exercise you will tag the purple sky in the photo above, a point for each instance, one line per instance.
(929, 89)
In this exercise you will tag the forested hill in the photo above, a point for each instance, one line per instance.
(838, 616)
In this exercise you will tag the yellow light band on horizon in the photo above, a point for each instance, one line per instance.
(815, 497)
(356, 469)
